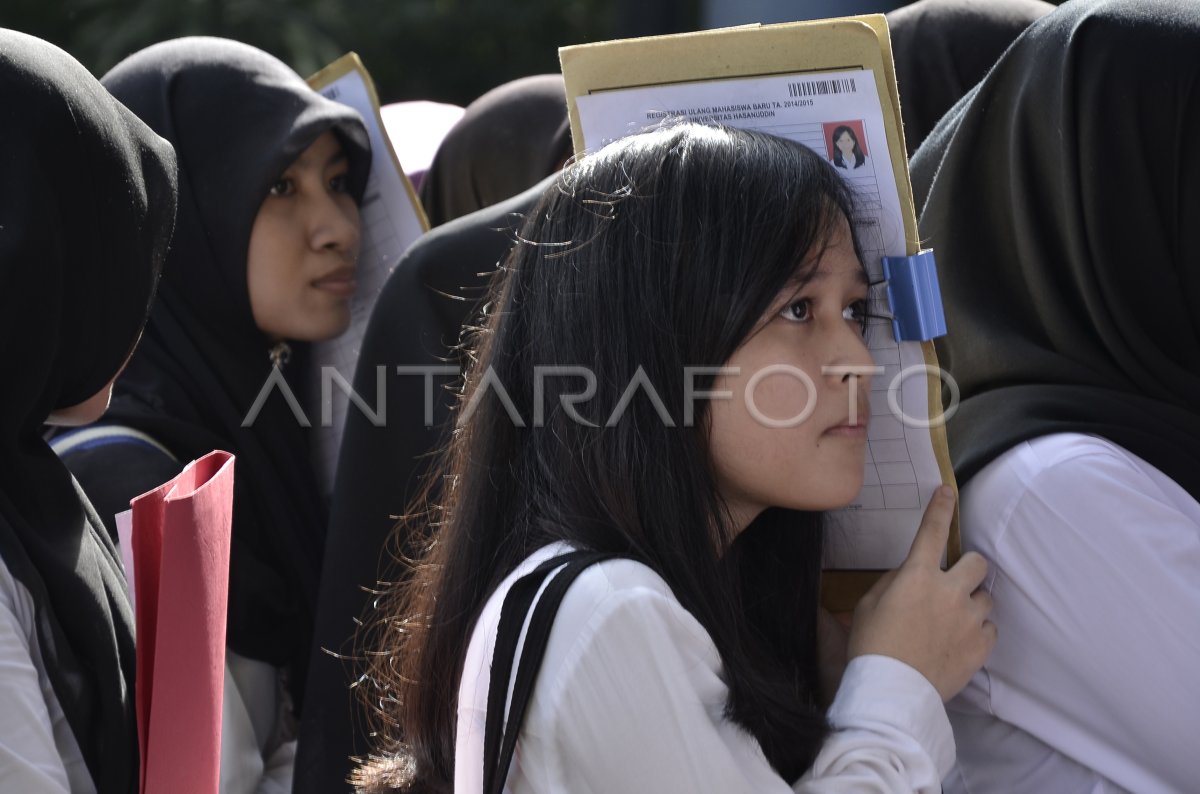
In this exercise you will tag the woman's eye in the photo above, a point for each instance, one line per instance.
(798, 311)
(281, 187)
(856, 312)
(340, 183)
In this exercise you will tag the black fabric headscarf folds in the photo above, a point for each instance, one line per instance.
(86, 207)
(1063, 200)
(507, 140)
(237, 117)
(942, 48)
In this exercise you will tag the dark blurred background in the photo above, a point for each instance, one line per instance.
(444, 50)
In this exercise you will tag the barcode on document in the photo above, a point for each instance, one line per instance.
(841, 85)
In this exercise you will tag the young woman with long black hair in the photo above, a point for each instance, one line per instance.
(672, 301)
(847, 154)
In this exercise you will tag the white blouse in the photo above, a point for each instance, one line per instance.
(630, 698)
(1094, 683)
(38, 750)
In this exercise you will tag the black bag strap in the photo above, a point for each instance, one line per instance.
(500, 735)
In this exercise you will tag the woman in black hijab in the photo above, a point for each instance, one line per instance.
(1063, 199)
(88, 200)
(271, 175)
(509, 139)
(942, 48)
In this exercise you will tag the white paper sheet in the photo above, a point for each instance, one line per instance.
(125, 541)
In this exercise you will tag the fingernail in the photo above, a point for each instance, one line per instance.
(945, 491)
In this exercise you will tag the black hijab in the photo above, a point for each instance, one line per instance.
(86, 208)
(508, 139)
(237, 117)
(942, 48)
(1063, 200)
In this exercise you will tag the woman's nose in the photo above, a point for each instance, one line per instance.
(850, 358)
(335, 224)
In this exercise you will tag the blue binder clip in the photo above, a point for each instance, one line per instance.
(916, 300)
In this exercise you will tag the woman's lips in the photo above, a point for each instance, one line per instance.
(340, 282)
(853, 426)
(848, 431)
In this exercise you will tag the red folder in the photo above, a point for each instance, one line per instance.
(181, 574)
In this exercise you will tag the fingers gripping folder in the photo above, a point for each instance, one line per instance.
(914, 296)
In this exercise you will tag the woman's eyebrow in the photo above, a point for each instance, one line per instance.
(799, 281)
(305, 160)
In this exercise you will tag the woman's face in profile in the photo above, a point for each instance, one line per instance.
(300, 268)
(793, 431)
(845, 144)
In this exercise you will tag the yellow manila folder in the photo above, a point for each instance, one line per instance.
(810, 82)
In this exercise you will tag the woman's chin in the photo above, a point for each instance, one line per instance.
(335, 329)
(314, 329)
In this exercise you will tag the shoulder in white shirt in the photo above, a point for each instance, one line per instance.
(1095, 576)
(630, 698)
(38, 751)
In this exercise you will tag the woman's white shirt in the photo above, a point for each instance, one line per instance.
(852, 167)
(258, 745)
(630, 698)
(1093, 685)
(38, 751)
